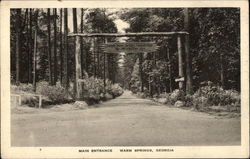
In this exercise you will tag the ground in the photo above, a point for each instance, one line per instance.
(124, 121)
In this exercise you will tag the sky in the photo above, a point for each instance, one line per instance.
(120, 24)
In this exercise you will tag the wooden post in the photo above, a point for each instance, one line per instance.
(40, 101)
(180, 63)
(169, 69)
(189, 87)
(78, 75)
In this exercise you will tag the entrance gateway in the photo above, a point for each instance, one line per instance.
(133, 47)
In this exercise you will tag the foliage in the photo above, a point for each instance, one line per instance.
(57, 93)
(212, 95)
(206, 34)
(216, 95)
(22, 87)
(177, 95)
(94, 92)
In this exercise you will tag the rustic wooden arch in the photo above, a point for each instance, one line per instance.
(179, 35)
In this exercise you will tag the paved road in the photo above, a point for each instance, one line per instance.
(124, 121)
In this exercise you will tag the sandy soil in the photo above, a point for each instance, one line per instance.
(124, 121)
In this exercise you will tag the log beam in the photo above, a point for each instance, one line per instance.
(128, 34)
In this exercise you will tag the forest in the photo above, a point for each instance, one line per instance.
(43, 55)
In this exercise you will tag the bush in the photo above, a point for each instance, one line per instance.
(189, 100)
(93, 90)
(200, 102)
(116, 90)
(177, 95)
(22, 88)
(30, 100)
(217, 95)
(57, 94)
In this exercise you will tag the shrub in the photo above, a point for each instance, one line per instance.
(217, 95)
(177, 95)
(200, 102)
(116, 90)
(30, 100)
(22, 88)
(57, 94)
(93, 90)
(189, 100)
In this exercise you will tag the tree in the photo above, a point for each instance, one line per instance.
(29, 34)
(35, 51)
(18, 40)
(61, 47)
(49, 47)
(189, 88)
(81, 41)
(55, 46)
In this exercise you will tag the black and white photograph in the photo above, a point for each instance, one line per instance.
(143, 79)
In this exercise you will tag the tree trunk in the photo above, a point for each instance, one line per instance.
(94, 55)
(221, 71)
(81, 43)
(169, 70)
(28, 44)
(55, 47)
(104, 67)
(66, 78)
(189, 87)
(49, 47)
(18, 40)
(141, 73)
(78, 70)
(35, 52)
(61, 52)
(30, 47)
(180, 62)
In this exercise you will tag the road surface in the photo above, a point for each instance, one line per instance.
(124, 121)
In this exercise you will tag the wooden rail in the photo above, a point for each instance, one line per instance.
(128, 34)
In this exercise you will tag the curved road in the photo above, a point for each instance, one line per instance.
(124, 121)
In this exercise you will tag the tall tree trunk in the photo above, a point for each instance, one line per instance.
(189, 87)
(104, 67)
(61, 51)
(49, 48)
(180, 62)
(94, 55)
(141, 73)
(78, 72)
(55, 47)
(30, 47)
(18, 40)
(98, 57)
(26, 24)
(66, 76)
(169, 70)
(35, 52)
(221, 71)
(81, 43)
